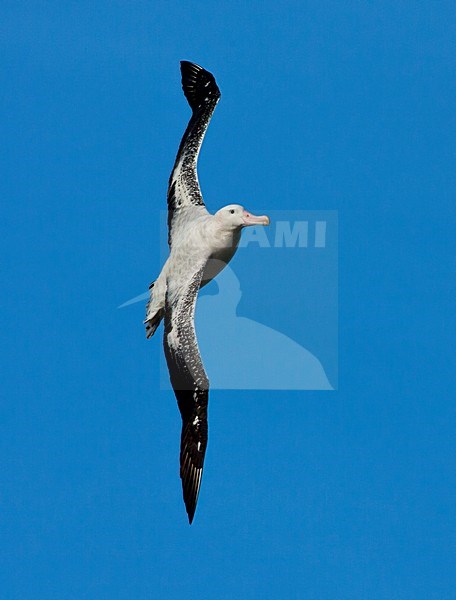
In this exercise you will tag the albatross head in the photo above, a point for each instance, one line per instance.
(235, 216)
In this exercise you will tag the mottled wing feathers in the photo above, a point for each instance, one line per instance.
(189, 381)
(202, 94)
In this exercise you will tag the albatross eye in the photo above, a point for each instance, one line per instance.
(232, 211)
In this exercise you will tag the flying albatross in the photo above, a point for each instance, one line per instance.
(201, 244)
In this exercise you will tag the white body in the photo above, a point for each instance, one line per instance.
(197, 235)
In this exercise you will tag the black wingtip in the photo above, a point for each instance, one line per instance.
(190, 508)
(190, 501)
(199, 85)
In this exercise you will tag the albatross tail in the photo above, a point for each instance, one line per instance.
(154, 314)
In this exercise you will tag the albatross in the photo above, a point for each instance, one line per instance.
(201, 244)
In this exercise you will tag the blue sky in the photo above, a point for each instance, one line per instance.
(317, 495)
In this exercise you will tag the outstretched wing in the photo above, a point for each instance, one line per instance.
(188, 379)
(202, 94)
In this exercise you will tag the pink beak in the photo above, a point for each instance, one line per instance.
(250, 219)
